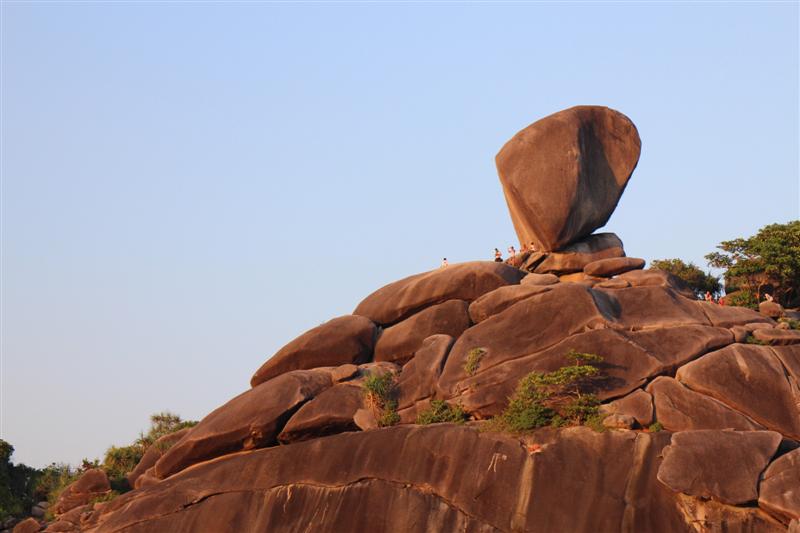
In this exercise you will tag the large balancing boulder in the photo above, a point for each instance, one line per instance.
(563, 175)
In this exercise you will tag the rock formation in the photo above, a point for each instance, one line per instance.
(703, 428)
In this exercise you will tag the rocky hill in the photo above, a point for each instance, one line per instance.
(697, 430)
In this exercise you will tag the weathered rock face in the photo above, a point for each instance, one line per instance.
(347, 339)
(699, 463)
(153, 454)
(465, 281)
(606, 268)
(780, 487)
(93, 483)
(563, 175)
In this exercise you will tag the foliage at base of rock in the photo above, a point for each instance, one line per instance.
(441, 411)
(380, 393)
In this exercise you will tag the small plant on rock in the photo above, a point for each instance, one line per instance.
(379, 393)
(752, 340)
(474, 357)
(655, 427)
(555, 398)
(441, 411)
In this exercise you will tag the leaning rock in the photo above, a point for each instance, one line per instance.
(91, 484)
(606, 268)
(576, 256)
(777, 337)
(347, 339)
(330, 412)
(399, 342)
(465, 281)
(771, 309)
(153, 454)
(749, 379)
(698, 463)
(681, 409)
(251, 420)
(779, 492)
(563, 175)
(501, 299)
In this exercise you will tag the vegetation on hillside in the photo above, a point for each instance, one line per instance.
(441, 411)
(380, 391)
(22, 486)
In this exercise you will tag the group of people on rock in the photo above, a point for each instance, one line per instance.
(512, 252)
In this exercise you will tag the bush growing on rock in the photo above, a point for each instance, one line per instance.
(556, 398)
(473, 360)
(441, 411)
(380, 391)
(697, 280)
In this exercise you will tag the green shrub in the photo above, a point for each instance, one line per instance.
(380, 391)
(742, 298)
(655, 427)
(441, 411)
(474, 357)
(793, 324)
(555, 398)
(595, 422)
(752, 340)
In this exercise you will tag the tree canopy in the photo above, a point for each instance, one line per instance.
(768, 262)
(698, 281)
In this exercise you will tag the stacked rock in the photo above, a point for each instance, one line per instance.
(562, 177)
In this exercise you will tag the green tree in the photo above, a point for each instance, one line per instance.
(17, 483)
(766, 262)
(697, 280)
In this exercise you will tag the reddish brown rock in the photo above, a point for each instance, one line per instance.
(770, 309)
(749, 379)
(576, 256)
(789, 356)
(698, 463)
(399, 342)
(153, 454)
(343, 373)
(563, 175)
(777, 337)
(539, 279)
(527, 327)
(681, 409)
(579, 277)
(500, 299)
(638, 405)
(606, 268)
(29, 525)
(329, 413)
(251, 420)
(652, 306)
(727, 316)
(676, 346)
(614, 283)
(464, 281)
(91, 484)
(658, 278)
(709, 516)
(779, 492)
(347, 339)
(365, 419)
(454, 478)
(418, 379)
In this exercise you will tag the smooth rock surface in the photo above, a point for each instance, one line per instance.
(347, 339)
(500, 299)
(399, 342)
(463, 281)
(777, 337)
(153, 454)
(779, 492)
(329, 413)
(563, 175)
(698, 463)
(539, 279)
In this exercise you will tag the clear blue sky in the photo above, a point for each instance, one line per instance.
(186, 187)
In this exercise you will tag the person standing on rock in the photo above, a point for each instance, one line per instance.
(498, 256)
(709, 298)
(532, 247)
(511, 252)
(444, 263)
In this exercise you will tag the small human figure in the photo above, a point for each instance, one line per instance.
(709, 298)
(721, 300)
(768, 298)
(444, 263)
(533, 247)
(511, 252)
(498, 257)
